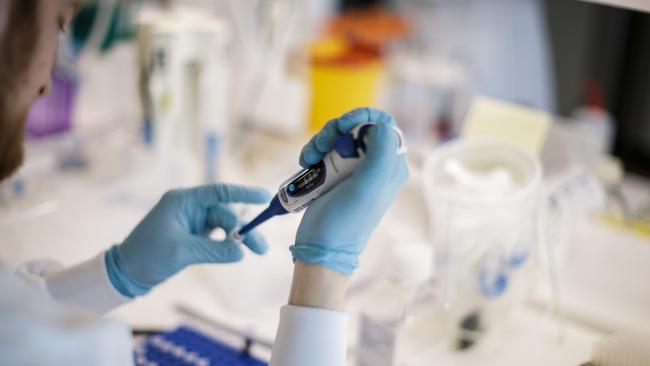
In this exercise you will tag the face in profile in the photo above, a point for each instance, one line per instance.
(29, 31)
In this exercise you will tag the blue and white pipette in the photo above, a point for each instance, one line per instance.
(303, 188)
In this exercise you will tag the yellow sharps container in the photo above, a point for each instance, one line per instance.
(342, 77)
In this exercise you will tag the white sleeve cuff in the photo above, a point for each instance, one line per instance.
(310, 336)
(85, 285)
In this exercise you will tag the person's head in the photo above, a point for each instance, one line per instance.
(29, 32)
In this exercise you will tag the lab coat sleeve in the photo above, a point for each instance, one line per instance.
(310, 336)
(36, 330)
(85, 285)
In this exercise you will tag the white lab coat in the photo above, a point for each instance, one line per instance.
(49, 317)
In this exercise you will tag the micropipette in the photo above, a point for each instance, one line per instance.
(304, 187)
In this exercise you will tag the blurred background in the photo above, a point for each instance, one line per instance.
(152, 95)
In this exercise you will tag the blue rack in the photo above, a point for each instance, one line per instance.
(185, 346)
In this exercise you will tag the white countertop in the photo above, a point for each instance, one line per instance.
(603, 287)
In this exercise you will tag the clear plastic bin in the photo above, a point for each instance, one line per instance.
(483, 198)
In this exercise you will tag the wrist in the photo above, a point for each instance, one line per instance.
(318, 287)
(118, 277)
(342, 261)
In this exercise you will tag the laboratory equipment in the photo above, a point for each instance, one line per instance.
(336, 228)
(189, 346)
(184, 62)
(341, 76)
(269, 94)
(387, 305)
(299, 191)
(593, 120)
(483, 198)
(346, 66)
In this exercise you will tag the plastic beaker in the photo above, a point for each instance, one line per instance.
(483, 199)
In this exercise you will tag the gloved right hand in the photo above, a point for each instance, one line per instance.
(336, 227)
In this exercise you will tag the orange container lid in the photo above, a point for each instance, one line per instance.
(340, 52)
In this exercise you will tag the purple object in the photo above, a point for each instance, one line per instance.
(52, 114)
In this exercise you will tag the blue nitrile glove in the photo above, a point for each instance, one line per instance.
(336, 227)
(175, 234)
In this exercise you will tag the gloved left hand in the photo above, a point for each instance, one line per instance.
(175, 234)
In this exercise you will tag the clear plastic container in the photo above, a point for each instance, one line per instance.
(389, 303)
(483, 199)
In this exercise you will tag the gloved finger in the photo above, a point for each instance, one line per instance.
(213, 194)
(310, 155)
(221, 216)
(255, 242)
(363, 115)
(381, 151)
(324, 140)
(313, 152)
(213, 251)
(400, 172)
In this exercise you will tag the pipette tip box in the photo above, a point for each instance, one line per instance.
(186, 346)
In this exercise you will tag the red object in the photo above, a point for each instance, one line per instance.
(594, 94)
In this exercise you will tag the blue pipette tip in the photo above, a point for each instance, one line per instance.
(275, 208)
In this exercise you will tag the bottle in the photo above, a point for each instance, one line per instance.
(386, 305)
(593, 121)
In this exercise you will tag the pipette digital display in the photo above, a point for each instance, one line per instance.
(303, 188)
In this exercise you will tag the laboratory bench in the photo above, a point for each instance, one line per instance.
(602, 289)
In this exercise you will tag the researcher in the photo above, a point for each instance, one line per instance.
(51, 315)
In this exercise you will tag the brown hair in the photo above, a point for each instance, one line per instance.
(17, 47)
(19, 41)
